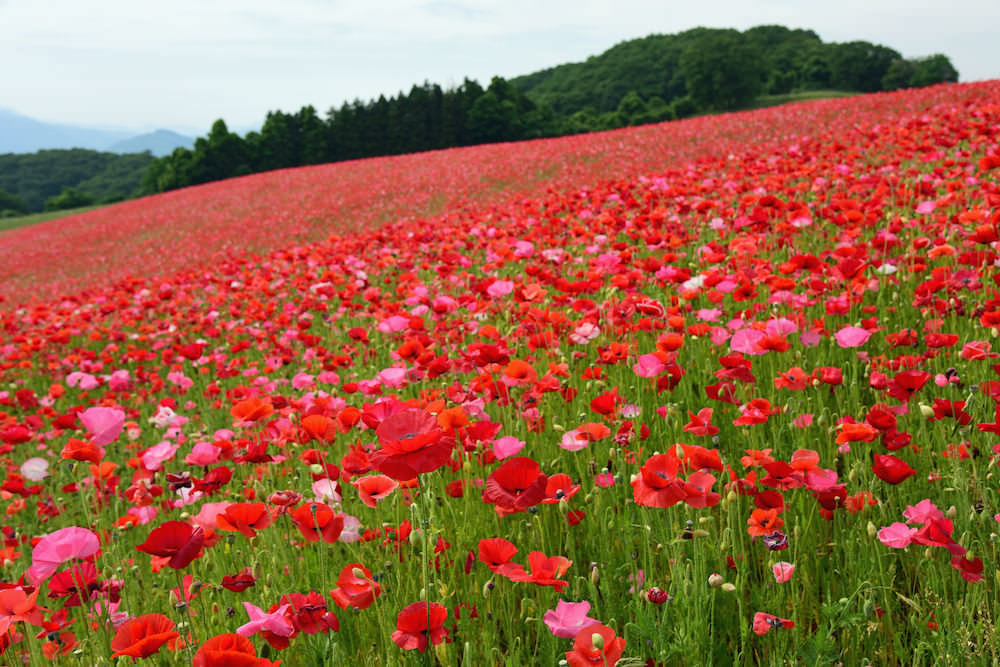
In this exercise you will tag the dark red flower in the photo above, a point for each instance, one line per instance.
(176, 540)
(657, 484)
(891, 469)
(239, 582)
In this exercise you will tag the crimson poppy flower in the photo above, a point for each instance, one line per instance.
(657, 484)
(516, 485)
(937, 532)
(419, 624)
(596, 646)
(246, 518)
(309, 613)
(970, 569)
(412, 443)
(701, 423)
(891, 469)
(229, 650)
(907, 383)
(239, 582)
(143, 636)
(356, 588)
(318, 521)
(176, 540)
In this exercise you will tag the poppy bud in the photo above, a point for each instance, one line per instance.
(715, 580)
(597, 640)
(926, 410)
(487, 587)
(595, 576)
(872, 530)
(951, 512)
(729, 588)
(316, 469)
(928, 554)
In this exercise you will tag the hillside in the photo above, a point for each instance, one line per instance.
(39, 177)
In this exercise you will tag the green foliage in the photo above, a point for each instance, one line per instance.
(722, 71)
(69, 198)
(859, 65)
(933, 69)
(11, 205)
(37, 177)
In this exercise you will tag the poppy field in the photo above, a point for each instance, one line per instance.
(717, 391)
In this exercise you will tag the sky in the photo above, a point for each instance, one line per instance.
(184, 63)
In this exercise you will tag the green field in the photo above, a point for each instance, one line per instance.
(25, 220)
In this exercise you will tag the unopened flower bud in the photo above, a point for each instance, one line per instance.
(715, 580)
(872, 530)
(316, 469)
(926, 410)
(729, 588)
(595, 576)
(951, 512)
(597, 640)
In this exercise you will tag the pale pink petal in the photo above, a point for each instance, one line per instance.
(852, 336)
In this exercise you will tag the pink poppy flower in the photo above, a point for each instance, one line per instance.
(897, 536)
(507, 446)
(649, 366)
(500, 288)
(568, 618)
(852, 337)
(260, 620)
(782, 571)
(203, 454)
(103, 424)
(58, 547)
(155, 456)
(764, 623)
(922, 512)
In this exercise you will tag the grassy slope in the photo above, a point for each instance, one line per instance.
(33, 218)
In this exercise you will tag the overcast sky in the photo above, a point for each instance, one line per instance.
(181, 64)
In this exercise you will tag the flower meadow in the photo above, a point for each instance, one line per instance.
(720, 391)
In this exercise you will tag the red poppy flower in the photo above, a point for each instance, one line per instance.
(356, 588)
(596, 646)
(496, 552)
(246, 518)
(907, 383)
(239, 582)
(891, 469)
(80, 450)
(657, 484)
(309, 613)
(374, 488)
(318, 521)
(544, 570)
(764, 623)
(559, 487)
(516, 485)
(420, 623)
(970, 569)
(229, 650)
(176, 540)
(701, 423)
(412, 443)
(142, 636)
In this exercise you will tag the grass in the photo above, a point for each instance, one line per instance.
(45, 216)
(801, 96)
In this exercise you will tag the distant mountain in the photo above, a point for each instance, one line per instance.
(21, 134)
(159, 143)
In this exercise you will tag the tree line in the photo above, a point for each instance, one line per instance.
(651, 79)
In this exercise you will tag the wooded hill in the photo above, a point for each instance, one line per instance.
(655, 78)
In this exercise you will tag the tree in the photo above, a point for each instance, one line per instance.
(11, 205)
(722, 71)
(933, 69)
(69, 198)
(899, 75)
(860, 66)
